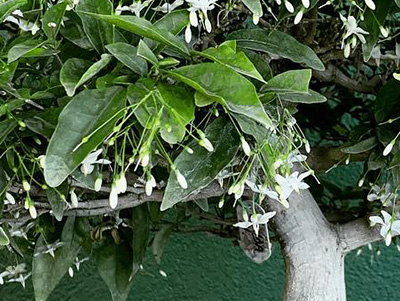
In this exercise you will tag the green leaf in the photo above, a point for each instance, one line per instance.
(114, 264)
(141, 234)
(361, 147)
(6, 127)
(371, 25)
(75, 72)
(293, 81)
(87, 181)
(255, 7)
(44, 123)
(57, 199)
(143, 28)
(3, 187)
(141, 93)
(277, 43)
(202, 100)
(387, 101)
(4, 240)
(54, 14)
(145, 52)
(397, 2)
(73, 31)
(309, 98)
(173, 22)
(160, 240)
(237, 61)
(100, 33)
(201, 167)
(225, 85)
(126, 54)
(48, 271)
(179, 111)
(22, 49)
(203, 204)
(259, 62)
(91, 112)
(8, 7)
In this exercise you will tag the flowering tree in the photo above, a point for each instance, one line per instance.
(123, 122)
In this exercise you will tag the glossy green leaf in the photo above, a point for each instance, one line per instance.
(201, 167)
(57, 198)
(141, 234)
(100, 33)
(4, 240)
(54, 15)
(142, 94)
(397, 2)
(6, 127)
(143, 28)
(44, 123)
(237, 61)
(173, 22)
(91, 112)
(7, 7)
(372, 20)
(260, 62)
(387, 101)
(203, 204)
(75, 72)
(160, 240)
(277, 43)
(126, 54)
(202, 100)
(145, 52)
(22, 49)
(73, 31)
(227, 86)
(114, 264)
(48, 271)
(361, 147)
(308, 98)
(293, 81)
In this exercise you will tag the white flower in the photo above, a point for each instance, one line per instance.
(9, 199)
(292, 182)
(181, 179)
(49, 249)
(262, 189)
(352, 29)
(135, 8)
(256, 220)
(293, 157)
(199, 8)
(113, 198)
(91, 159)
(388, 226)
(383, 194)
(166, 7)
(245, 146)
(21, 279)
(74, 199)
(370, 4)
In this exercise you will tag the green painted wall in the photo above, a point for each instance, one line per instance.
(206, 268)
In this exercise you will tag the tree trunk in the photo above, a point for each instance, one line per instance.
(314, 257)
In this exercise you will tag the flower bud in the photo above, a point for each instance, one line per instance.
(245, 146)
(74, 199)
(206, 144)
(389, 148)
(181, 179)
(26, 185)
(98, 183)
(113, 198)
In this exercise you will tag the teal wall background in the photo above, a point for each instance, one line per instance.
(207, 268)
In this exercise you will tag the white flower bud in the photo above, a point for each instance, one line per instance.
(145, 160)
(307, 146)
(181, 179)
(26, 185)
(384, 31)
(347, 49)
(256, 19)
(221, 203)
(361, 182)
(162, 273)
(121, 183)
(389, 148)
(148, 188)
(71, 272)
(245, 215)
(189, 150)
(298, 17)
(193, 19)
(306, 3)
(207, 24)
(98, 183)
(370, 4)
(10, 198)
(188, 34)
(289, 6)
(113, 198)
(52, 25)
(206, 144)
(32, 211)
(42, 161)
(245, 146)
(74, 199)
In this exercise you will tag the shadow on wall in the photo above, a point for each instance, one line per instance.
(206, 268)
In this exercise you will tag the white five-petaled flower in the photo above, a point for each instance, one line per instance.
(91, 159)
(293, 157)
(290, 183)
(389, 227)
(383, 194)
(256, 220)
(167, 7)
(352, 29)
(199, 9)
(262, 189)
(135, 7)
(24, 25)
